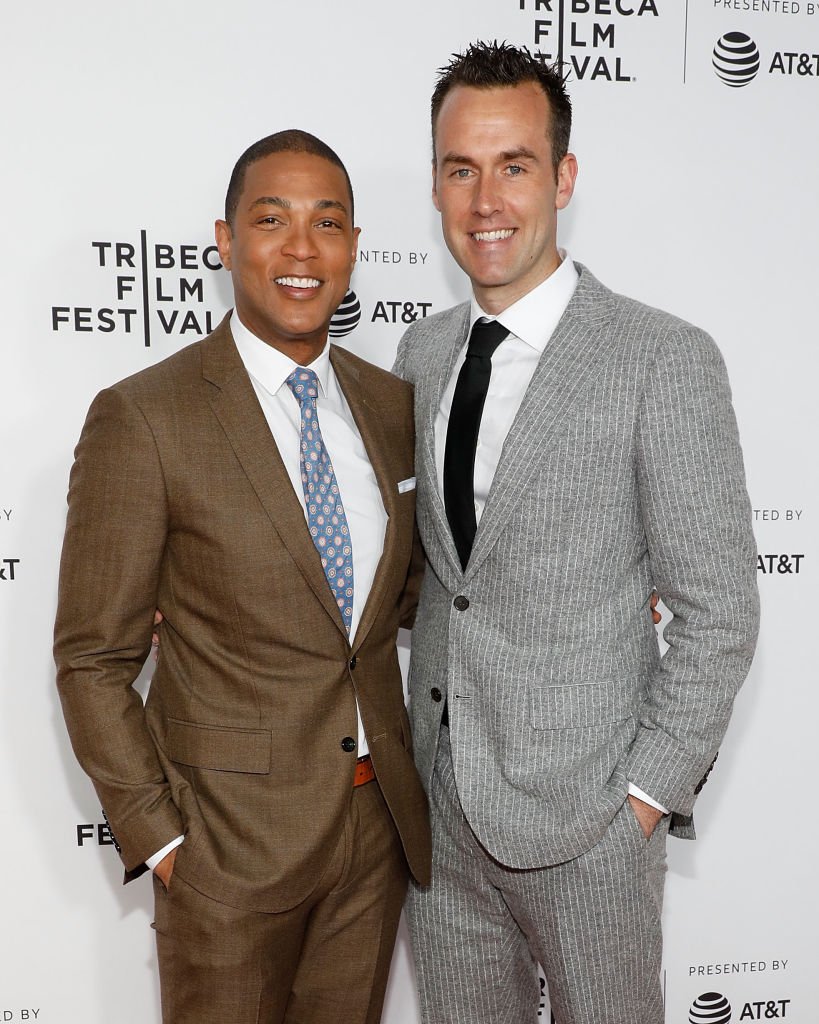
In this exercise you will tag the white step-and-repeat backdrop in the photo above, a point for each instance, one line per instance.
(696, 134)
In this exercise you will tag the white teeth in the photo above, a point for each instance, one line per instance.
(493, 236)
(298, 282)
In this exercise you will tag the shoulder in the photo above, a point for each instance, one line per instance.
(426, 336)
(638, 325)
(164, 391)
(381, 386)
(173, 371)
(437, 325)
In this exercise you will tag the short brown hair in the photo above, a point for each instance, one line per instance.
(491, 65)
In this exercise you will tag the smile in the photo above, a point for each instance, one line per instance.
(493, 236)
(298, 282)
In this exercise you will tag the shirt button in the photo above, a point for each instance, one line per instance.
(436, 694)
(461, 603)
(353, 662)
(348, 744)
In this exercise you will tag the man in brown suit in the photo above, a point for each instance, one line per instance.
(202, 486)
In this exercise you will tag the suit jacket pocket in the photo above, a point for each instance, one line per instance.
(578, 705)
(217, 748)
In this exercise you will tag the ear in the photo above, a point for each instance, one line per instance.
(566, 177)
(356, 233)
(435, 202)
(224, 237)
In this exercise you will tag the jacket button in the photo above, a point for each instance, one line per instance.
(436, 694)
(353, 662)
(461, 603)
(348, 744)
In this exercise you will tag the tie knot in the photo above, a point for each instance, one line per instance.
(485, 337)
(304, 384)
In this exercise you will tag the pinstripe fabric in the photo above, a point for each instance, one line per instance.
(480, 927)
(622, 471)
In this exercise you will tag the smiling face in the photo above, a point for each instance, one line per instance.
(497, 190)
(290, 250)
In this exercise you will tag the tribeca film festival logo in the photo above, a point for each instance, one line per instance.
(581, 35)
(714, 1008)
(541, 1009)
(98, 834)
(737, 61)
(157, 289)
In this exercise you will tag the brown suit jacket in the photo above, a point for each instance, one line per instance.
(179, 500)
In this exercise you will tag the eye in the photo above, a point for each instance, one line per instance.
(462, 172)
(269, 219)
(514, 170)
(327, 222)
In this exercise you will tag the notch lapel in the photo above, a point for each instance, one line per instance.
(237, 408)
(571, 360)
(428, 391)
(370, 425)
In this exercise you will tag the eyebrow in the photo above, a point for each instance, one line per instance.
(520, 152)
(285, 204)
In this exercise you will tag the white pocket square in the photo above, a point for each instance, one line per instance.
(406, 485)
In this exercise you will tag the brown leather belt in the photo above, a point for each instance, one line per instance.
(364, 771)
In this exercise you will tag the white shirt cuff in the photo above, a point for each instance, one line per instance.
(636, 791)
(161, 854)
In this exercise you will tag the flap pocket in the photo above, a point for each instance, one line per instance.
(575, 705)
(224, 750)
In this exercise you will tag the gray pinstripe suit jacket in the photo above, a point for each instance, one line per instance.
(621, 472)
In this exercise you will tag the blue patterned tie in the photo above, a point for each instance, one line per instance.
(325, 512)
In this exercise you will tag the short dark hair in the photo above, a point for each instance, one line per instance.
(293, 140)
(486, 65)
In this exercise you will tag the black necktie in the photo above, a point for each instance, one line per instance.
(462, 433)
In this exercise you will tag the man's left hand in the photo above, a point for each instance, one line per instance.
(646, 815)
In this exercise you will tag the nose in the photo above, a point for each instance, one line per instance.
(300, 242)
(487, 199)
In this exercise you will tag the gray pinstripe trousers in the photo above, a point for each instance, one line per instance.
(592, 922)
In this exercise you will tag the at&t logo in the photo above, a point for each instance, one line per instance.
(346, 318)
(710, 1008)
(736, 59)
(714, 1008)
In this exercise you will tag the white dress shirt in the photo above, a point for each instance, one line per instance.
(531, 321)
(363, 505)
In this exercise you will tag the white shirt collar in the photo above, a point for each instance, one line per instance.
(268, 365)
(534, 317)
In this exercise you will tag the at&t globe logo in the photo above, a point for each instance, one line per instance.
(346, 318)
(736, 59)
(710, 1008)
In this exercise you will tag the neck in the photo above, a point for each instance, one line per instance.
(302, 350)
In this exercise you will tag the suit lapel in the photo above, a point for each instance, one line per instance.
(237, 408)
(571, 360)
(370, 425)
(428, 392)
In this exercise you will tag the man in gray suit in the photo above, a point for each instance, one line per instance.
(568, 460)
